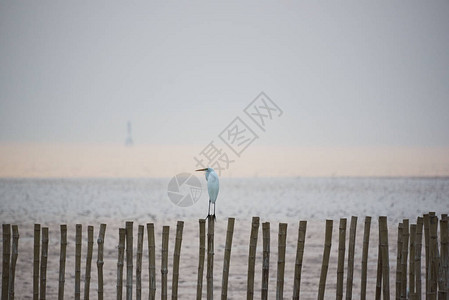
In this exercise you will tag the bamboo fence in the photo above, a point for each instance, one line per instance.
(411, 256)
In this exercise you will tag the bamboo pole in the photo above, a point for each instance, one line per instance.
(120, 262)
(299, 258)
(427, 248)
(418, 250)
(445, 267)
(412, 260)
(202, 253)
(385, 259)
(90, 246)
(78, 236)
(351, 251)
(227, 258)
(210, 257)
(164, 265)
(379, 269)
(129, 260)
(266, 259)
(282, 239)
(252, 257)
(176, 259)
(152, 261)
(434, 259)
(6, 259)
(44, 258)
(62, 261)
(341, 257)
(398, 261)
(444, 238)
(37, 241)
(404, 257)
(140, 231)
(366, 233)
(100, 260)
(325, 263)
(14, 255)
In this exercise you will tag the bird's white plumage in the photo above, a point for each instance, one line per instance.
(213, 185)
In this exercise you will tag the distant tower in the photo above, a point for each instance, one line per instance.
(129, 140)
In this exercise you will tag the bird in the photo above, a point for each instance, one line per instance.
(213, 186)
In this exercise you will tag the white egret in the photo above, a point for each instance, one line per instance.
(212, 187)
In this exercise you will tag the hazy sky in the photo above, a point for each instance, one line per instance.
(353, 73)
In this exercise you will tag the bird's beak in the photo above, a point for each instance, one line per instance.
(201, 169)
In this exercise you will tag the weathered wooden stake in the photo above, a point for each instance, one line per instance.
(164, 264)
(418, 251)
(434, 257)
(90, 246)
(404, 257)
(444, 257)
(14, 255)
(62, 261)
(210, 258)
(411, 275)
(351, 251)
(44, 258)
(100, 259)
(202, 254)
(6, 259)
(140, 231)
(299, 258)
(398, 261)
(252, 257)
(385, 257)
(129, 260)
(120, 262)
(176, 259)
(227, 258)
(36, 258)
(379, 269)
(78, 236)
(266, 259)
(282, 240)
(366, 233)
(325, 263)
(427, 248)
(152, 261)
(341, 257)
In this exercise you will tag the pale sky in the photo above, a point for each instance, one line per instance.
(346, 74)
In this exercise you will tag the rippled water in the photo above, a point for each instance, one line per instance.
(276, 199)
(51, 202)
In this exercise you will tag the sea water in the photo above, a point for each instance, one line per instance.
(273, 199)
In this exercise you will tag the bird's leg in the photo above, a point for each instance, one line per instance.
(208, 212)
(213, 216)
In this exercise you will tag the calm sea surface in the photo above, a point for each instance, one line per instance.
(51, 202)
(276, 199)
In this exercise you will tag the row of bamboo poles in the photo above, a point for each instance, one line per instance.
(408, 271)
